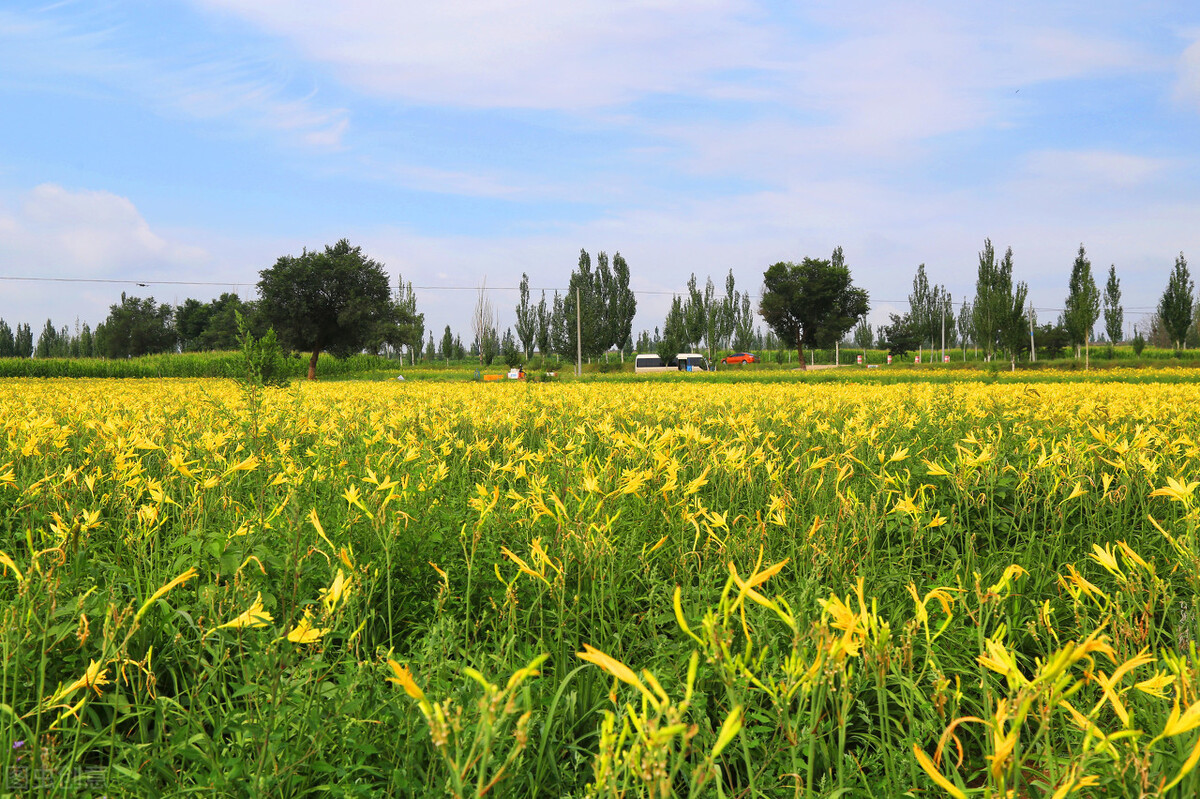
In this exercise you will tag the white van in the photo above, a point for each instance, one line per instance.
(683, 362)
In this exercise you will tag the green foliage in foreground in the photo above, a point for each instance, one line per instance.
(527, 590)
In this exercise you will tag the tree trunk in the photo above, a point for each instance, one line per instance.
(312, 365)
(800, 352)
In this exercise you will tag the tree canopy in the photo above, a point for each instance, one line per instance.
(1083, 302)
(337, 301)
(812, 303)
(1175, 307)
(998, 318)
(606, 307)
(136, 327)
(1114, 313)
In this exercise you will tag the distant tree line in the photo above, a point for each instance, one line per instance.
(999, 321)
(338, 300)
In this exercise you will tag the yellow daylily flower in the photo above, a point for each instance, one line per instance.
(404, 678)
(1177, 491)
(254, 616)
(304, 632)
(336, 593)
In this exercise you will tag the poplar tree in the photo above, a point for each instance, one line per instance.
(674, 331)
(1114, 314)
(985, 309)
(543, 326)
(586, 291)
(23, 341)
(743, 330)
(1175, 307)
(694, 317)
(998, 321)
(920, 308)
(526, 318)
(8, 343)
(622, 306)
(1083, 302)
(966, 325)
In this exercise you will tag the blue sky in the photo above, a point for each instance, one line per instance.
(478, 139)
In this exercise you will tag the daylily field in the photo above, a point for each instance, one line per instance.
(620, 589)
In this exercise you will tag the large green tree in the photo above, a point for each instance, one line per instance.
(622, 306)
(986, 307)
(900, 336)
(137, 327)
(337, 301)
(994, 324)
(1175, 307)
(212, 325)
(1014, 321)
(1082, 304)
(527, 320)
(812, 303)
(8, 343)
(582, 310)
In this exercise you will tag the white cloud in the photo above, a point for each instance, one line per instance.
(93, 232)
(55, 232)
(90, 54)
(515, 53)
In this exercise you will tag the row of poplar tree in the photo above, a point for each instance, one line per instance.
(1000, 320)
(604, 323)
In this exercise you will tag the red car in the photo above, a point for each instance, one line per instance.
(740, 357)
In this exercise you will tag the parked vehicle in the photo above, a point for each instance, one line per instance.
(683, 362)
(739, 358)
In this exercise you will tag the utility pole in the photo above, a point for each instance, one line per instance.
(578, 336)
(943, 332)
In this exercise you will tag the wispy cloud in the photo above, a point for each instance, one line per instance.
(85, 51)
(519, 53)
(1090, 170)
(1187, 86)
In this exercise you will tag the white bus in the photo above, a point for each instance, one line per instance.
(683, 362)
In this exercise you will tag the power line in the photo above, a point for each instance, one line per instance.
(147, 282)
(132, 282)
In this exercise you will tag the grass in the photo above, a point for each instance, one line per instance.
(611, 586)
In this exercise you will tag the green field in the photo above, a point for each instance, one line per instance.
(762, 585)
